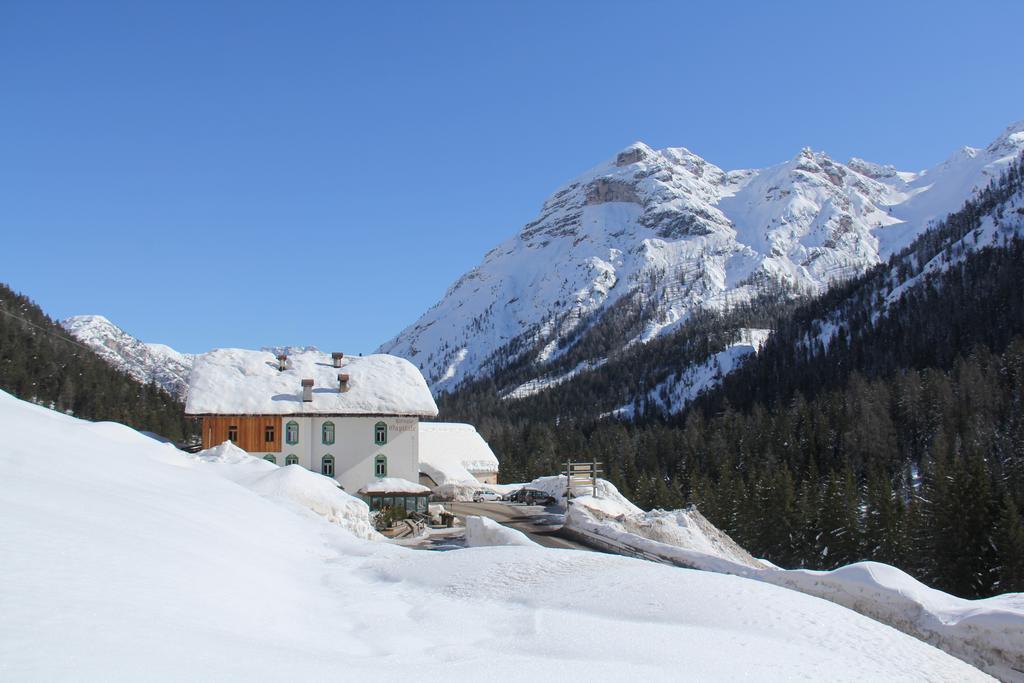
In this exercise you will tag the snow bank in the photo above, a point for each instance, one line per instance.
(321, 495)
(683, 536)
(292, 485)
(482, 531)
(244, 382)
(607, 496)
(987, 633)
(124, 559)
(459, 491)
(608, 618)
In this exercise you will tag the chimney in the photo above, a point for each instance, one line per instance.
(336, 358)
(282, 362)
(307, 390)
(343, 382)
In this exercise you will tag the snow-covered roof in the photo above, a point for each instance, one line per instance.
(392, 485)
(245, 382)
(452, 452)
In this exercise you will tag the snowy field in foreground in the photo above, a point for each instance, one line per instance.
(124, 559)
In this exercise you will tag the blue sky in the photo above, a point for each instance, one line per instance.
(248, 174)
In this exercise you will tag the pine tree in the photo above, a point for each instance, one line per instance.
(883, 528)
(1009, 546)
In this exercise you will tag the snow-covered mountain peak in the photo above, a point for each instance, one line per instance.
(636, 152)
(157, 363)
(671, 229)
(961, 155)
(1011, 142)
(95, 323)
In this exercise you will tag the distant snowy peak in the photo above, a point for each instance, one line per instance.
(681, 234)
(1009, 143)
(289, 350)
(158, 363)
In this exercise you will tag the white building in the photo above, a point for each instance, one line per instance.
(452, 453)
(355, 419)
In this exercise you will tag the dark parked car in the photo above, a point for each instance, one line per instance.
(532, 497)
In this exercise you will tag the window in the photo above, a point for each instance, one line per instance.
(291, 433)
(327, 465)
(268, 434)
(380, 433)
(327, 433)
(233, 433)
(269, 458)
(291, 460)
(380, 466)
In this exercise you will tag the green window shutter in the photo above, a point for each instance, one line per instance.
(327, 433)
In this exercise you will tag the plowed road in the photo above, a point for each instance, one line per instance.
(526, 518)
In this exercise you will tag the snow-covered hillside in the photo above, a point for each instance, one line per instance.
(681, 234)
(145, 362)
(125, 559)
(672, 395)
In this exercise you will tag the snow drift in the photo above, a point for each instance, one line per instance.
(988, 633)
(292, 484)
(606, 495)
(684, 536)
(483, 531)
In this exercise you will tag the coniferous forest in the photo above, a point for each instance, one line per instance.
(42, 363)
(869, 426)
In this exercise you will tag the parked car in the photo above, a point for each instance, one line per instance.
(483, 495)
(532, 497)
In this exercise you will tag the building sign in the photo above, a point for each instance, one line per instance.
(403, 424)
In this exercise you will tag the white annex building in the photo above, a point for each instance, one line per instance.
(452, 453)
(355, 419)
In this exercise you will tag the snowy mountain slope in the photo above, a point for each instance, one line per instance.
(672, 395)
(679, 234)
(999, 222)
(157, 363)
(145, 563)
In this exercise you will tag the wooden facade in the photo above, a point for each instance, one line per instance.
(250, 432)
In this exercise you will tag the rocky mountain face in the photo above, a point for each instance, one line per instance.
(673, 235)
(158, 363)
